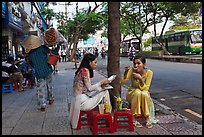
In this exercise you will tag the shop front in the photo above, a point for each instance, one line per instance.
(11, 29)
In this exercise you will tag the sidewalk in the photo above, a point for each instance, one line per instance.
(21, 117)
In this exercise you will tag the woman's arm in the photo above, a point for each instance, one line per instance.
(145, 85)
(126, 76)
(87, 81)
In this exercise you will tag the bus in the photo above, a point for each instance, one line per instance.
(126, 44)
(180, 42)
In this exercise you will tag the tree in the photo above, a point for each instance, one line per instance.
(181, 23)
(136, 18)
(169, 10)
(148, 42)
(84, 23)
(49, 14)
(114, 48)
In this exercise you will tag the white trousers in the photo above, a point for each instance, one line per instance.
(88, 103)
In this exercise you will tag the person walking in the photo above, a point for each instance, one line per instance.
(63, 55)
(38, 57)
(82, 85)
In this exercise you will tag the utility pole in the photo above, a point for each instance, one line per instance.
(140, 28)
(65, 10)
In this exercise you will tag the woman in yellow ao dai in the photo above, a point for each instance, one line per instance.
(138, 95)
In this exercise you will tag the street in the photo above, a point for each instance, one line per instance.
(177, 85)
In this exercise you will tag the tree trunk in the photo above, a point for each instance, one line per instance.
(113, 66)
(76, 40)
(74, 52)
(163, 46)
(69, 48)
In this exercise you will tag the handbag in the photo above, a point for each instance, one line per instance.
(52, 59)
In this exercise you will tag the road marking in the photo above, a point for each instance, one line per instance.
(194, 113)
(162, 99)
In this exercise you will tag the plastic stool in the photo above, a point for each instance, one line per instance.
(96, 117)
(29, 83)
(86, 120)
(7, 88)
(127, 121)
(15, 85)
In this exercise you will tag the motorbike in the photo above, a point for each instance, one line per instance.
(78, 55)
(131, 55)
(103, 54)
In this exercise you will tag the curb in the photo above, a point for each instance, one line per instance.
(178, 59)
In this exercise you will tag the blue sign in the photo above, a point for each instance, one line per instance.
(89, 41)
(4, 9)
(12, 16)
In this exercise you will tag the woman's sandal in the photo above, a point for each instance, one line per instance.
(137, 124)
(51, 101)
(21, 90)
(149, 125)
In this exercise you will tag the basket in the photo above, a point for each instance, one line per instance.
(52, 59)
(51, 35)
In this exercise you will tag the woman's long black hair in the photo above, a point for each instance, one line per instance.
(85, 63)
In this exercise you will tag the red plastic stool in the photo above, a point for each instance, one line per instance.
(127, 120)
(29, 83)
(84, 116)
(97, 121)
(15, 85)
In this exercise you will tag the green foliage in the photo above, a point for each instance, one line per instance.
(148, 42)
(90, 22)
(48, 13)
(185, 22)
(184, 27)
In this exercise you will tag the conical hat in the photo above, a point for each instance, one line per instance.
(32, 42)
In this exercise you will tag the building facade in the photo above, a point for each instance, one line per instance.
(19, 19)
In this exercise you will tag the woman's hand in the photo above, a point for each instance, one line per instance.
(127, 68)
(104, 81)
(137, 76)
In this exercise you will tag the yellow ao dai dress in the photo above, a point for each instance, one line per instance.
(138, 96)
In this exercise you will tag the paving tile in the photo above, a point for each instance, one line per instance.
(6, 131)
(155, 130)
(169, 119)
(56, 124)
(28, 126)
